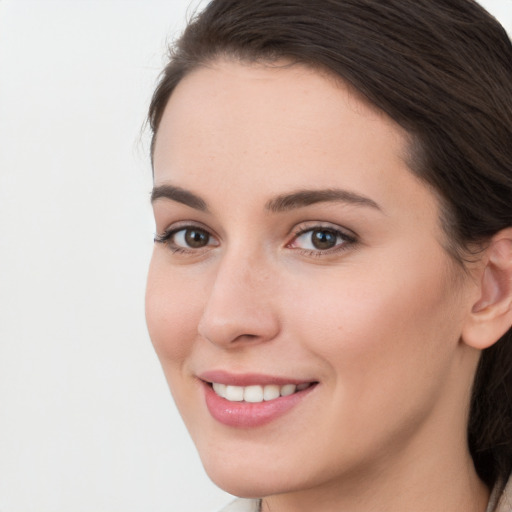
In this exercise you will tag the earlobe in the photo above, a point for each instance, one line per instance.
(491, 314)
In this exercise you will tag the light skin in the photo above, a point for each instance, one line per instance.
(258, 159)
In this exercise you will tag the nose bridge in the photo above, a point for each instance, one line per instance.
(251, 270)
(239, 305)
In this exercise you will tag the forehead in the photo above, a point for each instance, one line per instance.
(279, 89)
(265, 109)
(269, 128)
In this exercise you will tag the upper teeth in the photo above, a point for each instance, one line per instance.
(255, 393)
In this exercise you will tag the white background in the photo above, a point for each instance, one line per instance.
(86, 420)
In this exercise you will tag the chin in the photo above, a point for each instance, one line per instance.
(246, 481)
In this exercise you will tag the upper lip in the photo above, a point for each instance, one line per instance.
(248, 379)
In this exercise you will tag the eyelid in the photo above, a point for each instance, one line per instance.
(184, 224)
(166, 237)
(348, 236)
(304, 227)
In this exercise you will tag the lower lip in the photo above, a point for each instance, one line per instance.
(250, 415)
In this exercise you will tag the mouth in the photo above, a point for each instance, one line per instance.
(257, 393)
(250, 401)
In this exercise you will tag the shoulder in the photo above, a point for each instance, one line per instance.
(242, 505)
(501, 498)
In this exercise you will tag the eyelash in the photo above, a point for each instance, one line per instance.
(348, 239)
(167, 238)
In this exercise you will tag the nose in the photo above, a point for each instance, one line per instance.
(241, 304)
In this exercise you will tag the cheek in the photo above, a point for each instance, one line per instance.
(173, 309)
(384, 342)
(382, 328)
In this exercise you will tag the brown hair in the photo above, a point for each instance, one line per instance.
(442, 69)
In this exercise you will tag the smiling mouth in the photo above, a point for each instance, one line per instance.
(251, 400)
(257, 393)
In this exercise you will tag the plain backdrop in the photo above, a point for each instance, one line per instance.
(86, 421)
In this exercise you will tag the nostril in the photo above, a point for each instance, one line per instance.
(248, 337)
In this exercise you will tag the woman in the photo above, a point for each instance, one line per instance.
(330, 291)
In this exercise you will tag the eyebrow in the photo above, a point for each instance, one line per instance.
(281, 203)
(180, 195)
(304, 198)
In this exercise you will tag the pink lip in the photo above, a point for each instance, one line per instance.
(245, 414)
(247, 379)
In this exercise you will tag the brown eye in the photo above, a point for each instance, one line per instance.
(323, 239)
(319, 240)
(192, 238)
(187, 239)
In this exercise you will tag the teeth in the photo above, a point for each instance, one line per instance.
(253, 394)
(220, 389)
(256, 393)
(288, 389)
(234, 393)
(271, 392)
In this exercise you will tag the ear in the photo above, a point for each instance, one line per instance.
(491, 314)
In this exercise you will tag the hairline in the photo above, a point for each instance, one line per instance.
(413, 148)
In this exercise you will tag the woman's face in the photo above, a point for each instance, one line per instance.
(299, 266)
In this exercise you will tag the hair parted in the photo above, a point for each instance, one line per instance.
(442, 70)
